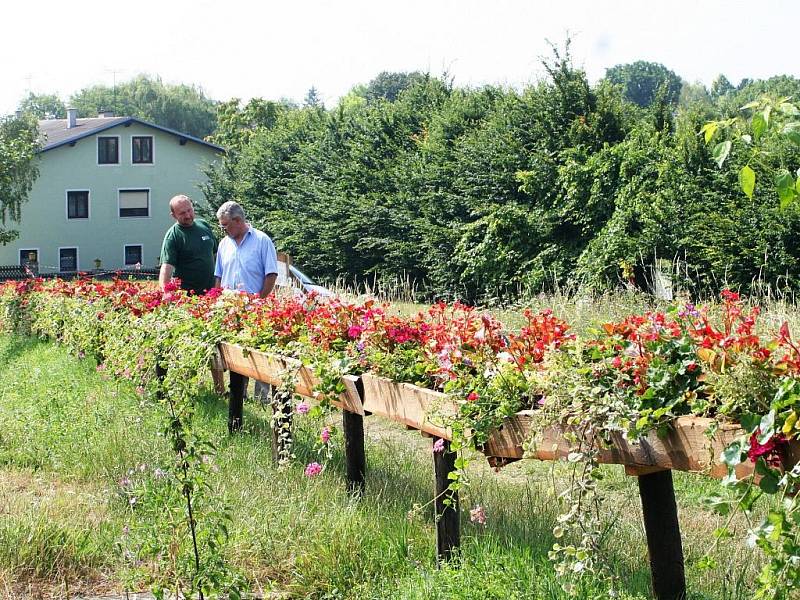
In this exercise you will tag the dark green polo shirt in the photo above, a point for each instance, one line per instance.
(191, 251)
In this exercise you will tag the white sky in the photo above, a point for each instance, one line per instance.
(236, 48)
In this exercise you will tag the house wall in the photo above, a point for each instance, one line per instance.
(176, 170)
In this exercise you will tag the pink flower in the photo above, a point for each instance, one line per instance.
(325, 435)
(302, 408)
(140, 390)
(478, 515)
(438, 445)
(473, 396)
(313, 469)
(101, 367)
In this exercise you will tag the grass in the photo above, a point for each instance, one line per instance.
(67, 436)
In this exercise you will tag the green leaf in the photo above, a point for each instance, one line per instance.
(732, 455)
(747, 180)
(784, 183)
(749, 421)
(708, 130)
(784, 180)
(794, 137)
(747, 139)
(718, 504)
(749, 105)
(759, 125)
(721, 151)
(769, 484)
(767, 427)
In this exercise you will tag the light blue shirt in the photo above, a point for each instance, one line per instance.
(244, 266)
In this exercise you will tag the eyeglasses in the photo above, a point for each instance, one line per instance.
(225, 226)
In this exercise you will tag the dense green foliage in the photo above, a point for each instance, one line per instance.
(487, 193)
(43, 106)
(184, 108)
(18, 169)
(181, 107)
(643, 82)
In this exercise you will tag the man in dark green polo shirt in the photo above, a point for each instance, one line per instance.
(188, 249)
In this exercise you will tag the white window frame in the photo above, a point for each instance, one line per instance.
(38, 255)
(88, 205)
(152, 148)
(77, 258)
(136, 189)
(124, 249)
(97, 151)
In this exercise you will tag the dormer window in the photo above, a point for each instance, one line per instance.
(142, 149)
(107, 150)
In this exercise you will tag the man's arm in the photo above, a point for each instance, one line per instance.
(269, 259)
(269, 283)
(165, 275)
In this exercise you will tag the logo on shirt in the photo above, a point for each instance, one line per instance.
(206, 237)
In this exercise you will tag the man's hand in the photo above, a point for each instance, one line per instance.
(269, 283)
(165, 275)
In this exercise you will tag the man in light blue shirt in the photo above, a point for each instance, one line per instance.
(246, 261)
(246, 257)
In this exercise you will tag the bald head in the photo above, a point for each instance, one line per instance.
(181, 209)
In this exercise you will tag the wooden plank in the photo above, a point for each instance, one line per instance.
(639, 471)
(270, 368)
(448, 533)
(664, 548)
(686, 447)
(218, 372)
(417, 407)
(352, 397)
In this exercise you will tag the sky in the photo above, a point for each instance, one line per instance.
(268, 49)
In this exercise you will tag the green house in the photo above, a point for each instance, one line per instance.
(103, 192)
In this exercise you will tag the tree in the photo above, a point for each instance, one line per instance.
(641, 80)
(184, 108)
(721, 87)
(19, 143)
(312, 99)
(388, 85)
(43, 106)
(236, 124)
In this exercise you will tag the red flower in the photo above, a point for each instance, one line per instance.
(772, 450)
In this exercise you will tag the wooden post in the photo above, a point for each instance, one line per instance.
(448, 534)
(355, 458)
(663, 535)
(281, 426)
(236, 402)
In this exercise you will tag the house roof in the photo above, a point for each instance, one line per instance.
(55, 133)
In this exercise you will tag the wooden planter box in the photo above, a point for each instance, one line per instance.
(416, 407)
(270, 368)
(685, 448)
